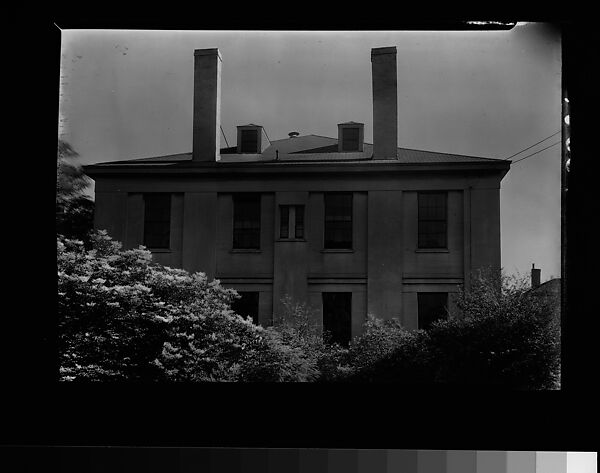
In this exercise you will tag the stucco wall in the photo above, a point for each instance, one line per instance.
(384, 270)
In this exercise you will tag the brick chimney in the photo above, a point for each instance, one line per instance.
(207, 105)
(536, 275)
(385, 103)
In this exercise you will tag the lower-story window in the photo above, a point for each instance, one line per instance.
(432, 306)
(247, 305)
(157, 220)
(337, 317)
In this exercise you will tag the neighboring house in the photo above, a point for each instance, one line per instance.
(549, 292)
(348, 227)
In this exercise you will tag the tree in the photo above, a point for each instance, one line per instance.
(74, 210)
(123, 317)
(500, 335)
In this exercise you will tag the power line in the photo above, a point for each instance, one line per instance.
(534, 144)
(529, 155)
(224, 136)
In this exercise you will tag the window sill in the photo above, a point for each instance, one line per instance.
(291, 239)
(159, 250)
(245, 250)
(337, 250)
(432, 250)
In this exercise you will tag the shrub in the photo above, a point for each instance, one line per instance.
(501, 335)
(121, 317)
(297, 327)
(111, 325)
(387, 352)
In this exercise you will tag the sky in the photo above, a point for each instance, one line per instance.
(129, 94)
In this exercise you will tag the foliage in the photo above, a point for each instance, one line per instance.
(297, 327)
(121, 317)
(75, 218)
(111, 324)
(71, 181)
(74, 210)
(387, 352)
(501, 335)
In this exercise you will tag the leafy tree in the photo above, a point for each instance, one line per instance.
(121, 317)
(500, 335)
(388, 352)
(74, 210)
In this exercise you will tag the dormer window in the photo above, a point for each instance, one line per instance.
(249, 139)
(350, 137)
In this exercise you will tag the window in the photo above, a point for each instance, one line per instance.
(291, 223)
(433, 222)
(249, 141)
(337, 317)
(246, 221)
(432, 307)
(350, 138)
(157, 220)
(247, 305)
(338, 221)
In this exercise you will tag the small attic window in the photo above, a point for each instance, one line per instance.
(249, 139)
(350, 138)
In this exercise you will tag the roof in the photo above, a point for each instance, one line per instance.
(313, 148)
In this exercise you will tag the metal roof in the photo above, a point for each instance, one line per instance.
(311, 148)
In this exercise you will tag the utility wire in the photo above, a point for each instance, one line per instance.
(534, 145)
(529, 155)
(224, 136)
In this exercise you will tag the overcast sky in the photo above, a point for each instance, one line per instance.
(129, 94)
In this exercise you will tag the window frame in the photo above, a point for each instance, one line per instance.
(146, 197)
(345, 140)
(255, 140)
(430, 293)
(333, 295)
(255, 294)
(291, 219)
(246, 198)
(422, 236)
(327, 195)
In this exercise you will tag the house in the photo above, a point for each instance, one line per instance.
(348, 227)
(548, 292)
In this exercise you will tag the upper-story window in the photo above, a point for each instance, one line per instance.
(157, 220)
(246, 221)
(338, 221)
(291, 221)
(433, 220)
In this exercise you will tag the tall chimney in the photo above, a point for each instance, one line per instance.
(207, 105)
(385, 103)
(536, 275)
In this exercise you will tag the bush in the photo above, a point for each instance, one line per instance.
(121, 317)
(296, 327)
(111, 324)
(501, 336)
(387, 352)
